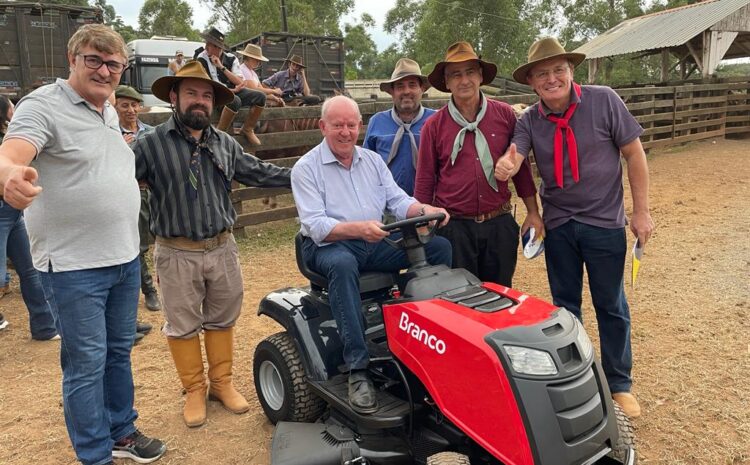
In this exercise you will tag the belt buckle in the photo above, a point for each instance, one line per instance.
(211, 243)
(480, 219)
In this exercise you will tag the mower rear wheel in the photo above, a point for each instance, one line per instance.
(626, 439)
(448, 458)
(281, 383)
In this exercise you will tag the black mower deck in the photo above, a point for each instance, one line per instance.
(392, 411)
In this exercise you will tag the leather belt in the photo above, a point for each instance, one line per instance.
(502, 209)
(205, 245)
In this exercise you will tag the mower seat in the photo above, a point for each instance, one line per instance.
(368, 281)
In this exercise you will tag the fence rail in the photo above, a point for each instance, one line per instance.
(670, 114)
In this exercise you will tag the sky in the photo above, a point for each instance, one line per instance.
(129, 9)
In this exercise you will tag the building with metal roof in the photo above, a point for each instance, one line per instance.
(699, 35)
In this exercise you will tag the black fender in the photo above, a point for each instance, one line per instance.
(306, 316)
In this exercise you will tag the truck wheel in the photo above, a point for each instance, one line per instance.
(281, 383)
(448, 458)
(626, 441)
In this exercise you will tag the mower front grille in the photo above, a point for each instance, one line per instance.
(577, 405)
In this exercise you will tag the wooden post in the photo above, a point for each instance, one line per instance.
(664, 65)
(593, 69)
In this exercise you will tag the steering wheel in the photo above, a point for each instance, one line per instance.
(409, 229)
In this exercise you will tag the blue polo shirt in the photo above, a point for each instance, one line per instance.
(602, 124)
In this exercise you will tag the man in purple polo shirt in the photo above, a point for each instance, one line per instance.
(577, 134)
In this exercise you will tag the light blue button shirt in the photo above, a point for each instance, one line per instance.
(327, 193)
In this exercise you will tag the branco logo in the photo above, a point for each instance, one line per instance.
(412, 329)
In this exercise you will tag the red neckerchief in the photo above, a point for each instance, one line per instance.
(562, 126)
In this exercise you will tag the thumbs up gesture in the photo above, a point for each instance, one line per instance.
(19, 189)
(508, 164)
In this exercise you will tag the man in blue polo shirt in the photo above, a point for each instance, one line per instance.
(394, 133)
(577, 134)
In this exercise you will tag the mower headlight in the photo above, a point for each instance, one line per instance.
(584, 343)
(531, 361)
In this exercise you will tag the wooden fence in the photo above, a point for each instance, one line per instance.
(670, 115)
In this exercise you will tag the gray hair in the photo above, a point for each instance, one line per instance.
(329, 101)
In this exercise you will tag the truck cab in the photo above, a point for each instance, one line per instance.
(149, 60)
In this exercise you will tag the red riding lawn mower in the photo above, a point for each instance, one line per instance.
(466, 372)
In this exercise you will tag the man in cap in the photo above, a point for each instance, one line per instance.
(457, 154)
(252, 56)
(292, 82)
(82, 201)
(224, 68)
(577, 134)
(189, 167)
(129, 103)
(341, 191)
(177, 63)
(394, 133)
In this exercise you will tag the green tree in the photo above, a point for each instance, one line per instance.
(499, 30)
(361, 52)
(247, 18)
(112, 19)
(167, 17)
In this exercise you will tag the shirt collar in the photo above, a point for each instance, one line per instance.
(327, 156)
(139, 125)
(574, 98)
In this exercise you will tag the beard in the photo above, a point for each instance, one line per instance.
(192, 117)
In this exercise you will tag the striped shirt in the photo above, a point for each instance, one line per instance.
(163, 162)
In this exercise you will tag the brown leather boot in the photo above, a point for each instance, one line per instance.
(628, 403)
(219, 351)
(248, 127)
(189, 363)
(225, 121)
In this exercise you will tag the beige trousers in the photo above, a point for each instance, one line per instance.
(200, 290)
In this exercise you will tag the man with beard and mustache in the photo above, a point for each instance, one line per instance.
(189, 167)
(82, 219)
(394, 133)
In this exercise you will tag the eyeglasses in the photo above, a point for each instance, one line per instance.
(558, 71)
(96, 62)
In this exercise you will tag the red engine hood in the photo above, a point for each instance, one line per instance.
(442, 343)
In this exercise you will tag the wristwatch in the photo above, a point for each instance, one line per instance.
(223, 68)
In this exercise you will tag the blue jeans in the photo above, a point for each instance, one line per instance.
(341, 262)
(14, 243)
(95, 312)
(566, 249)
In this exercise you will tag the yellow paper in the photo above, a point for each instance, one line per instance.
(637, 257)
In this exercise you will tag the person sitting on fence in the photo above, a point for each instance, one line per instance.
(196, 256)
(252, 56)
(394, 133)
(292, 82)
(577, 134)
(224, 68)
(341, 191)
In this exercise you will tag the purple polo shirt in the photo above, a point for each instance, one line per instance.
(602, 124)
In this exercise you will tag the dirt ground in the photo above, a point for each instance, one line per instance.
(690, 310)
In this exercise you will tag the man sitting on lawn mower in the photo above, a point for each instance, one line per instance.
(341, 191)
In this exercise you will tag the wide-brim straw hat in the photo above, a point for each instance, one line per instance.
(252, 51)
(215, 37)
(193, 70)
(405, 67)
(458, 53)
(545, 49)
(297, 60)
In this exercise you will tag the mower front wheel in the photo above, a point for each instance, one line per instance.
(626, 440)
(448, 458)
(281, 383)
